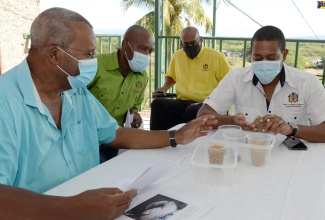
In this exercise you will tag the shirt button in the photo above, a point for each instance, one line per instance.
(117, 107)
(122, 93)
(269, 111)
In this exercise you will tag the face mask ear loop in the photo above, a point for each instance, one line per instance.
(62, 70)
(67, 54)
(125, 51)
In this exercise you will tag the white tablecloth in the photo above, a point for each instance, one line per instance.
(290, 186)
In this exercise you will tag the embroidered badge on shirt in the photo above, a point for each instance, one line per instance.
(205, 67)
(138, 85)
(293, 97)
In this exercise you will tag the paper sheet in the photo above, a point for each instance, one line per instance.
(128, 120)
(153, 173)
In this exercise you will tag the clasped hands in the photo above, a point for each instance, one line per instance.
(269, 124)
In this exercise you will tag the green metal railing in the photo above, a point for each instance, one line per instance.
(236, 50)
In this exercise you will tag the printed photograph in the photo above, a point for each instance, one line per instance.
(159, 207)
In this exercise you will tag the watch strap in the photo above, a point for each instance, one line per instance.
(172, 139)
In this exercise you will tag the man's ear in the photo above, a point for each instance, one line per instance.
(285, 53)
(52, 54)
(124, 43)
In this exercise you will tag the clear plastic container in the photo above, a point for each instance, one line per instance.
(216, 174)
(256, 150)
(222, 128)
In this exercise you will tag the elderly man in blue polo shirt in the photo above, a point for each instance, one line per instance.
(51, 126)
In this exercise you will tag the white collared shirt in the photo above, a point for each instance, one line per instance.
(301, 98)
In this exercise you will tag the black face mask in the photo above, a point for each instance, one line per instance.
(192, 51)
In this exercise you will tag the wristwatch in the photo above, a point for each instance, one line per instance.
(172, 140)
(294, 129)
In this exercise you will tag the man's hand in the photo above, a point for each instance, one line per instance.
(137, 120)
(275, 124)
(161, 89)
(104, 203)
(240, 120)
(195, 128)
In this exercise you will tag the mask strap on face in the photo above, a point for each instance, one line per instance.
(67, 53)
(62, 70)
(130, 47)
(125, 51)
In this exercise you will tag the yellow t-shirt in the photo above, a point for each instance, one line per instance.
(195, 79)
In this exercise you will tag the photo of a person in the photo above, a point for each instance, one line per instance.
(159, 207)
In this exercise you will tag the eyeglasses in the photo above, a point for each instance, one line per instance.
(191, 43)
(90, 55)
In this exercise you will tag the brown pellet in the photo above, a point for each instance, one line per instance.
(216, 154)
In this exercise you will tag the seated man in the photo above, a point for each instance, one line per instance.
(121, 81)
(51, 125)
(288, 98)
(196, 71)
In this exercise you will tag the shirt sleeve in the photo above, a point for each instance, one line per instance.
(223, 66)
(171, 69)
(315, 101)
(8, 151)
(106, 124)
(223, 96)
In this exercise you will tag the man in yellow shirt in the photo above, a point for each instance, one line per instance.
(196, 71)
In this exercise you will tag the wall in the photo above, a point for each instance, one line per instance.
(16, 17)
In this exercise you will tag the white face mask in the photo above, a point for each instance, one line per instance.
(87, 69)
(139, 61)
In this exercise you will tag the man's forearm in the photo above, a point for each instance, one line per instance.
(16, 203)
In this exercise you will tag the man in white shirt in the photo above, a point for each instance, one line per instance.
(291, 101)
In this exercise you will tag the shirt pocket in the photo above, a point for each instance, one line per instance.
(297, 117)
(83, 137)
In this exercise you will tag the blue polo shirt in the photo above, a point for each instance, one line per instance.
(34, 153)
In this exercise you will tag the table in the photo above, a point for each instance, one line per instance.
(290, 186)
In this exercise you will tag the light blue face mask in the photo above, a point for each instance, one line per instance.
(266, 70)
(139, 61)
(87, 69)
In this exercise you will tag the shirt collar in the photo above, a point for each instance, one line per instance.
(112, 61)
(29, 91)
(26, 84)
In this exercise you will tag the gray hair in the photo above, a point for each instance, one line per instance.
(54, 27)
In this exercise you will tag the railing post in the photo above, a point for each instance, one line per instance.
(214, 22)
(323, 79)
(157, 45)
(244, 53)
(296, 56)
(100, 45)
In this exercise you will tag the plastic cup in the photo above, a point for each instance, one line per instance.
(258, 154)
(216, 154)
(234, 135)
(222, 128)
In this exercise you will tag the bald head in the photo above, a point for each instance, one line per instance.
(190, 31)
(135, 31)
